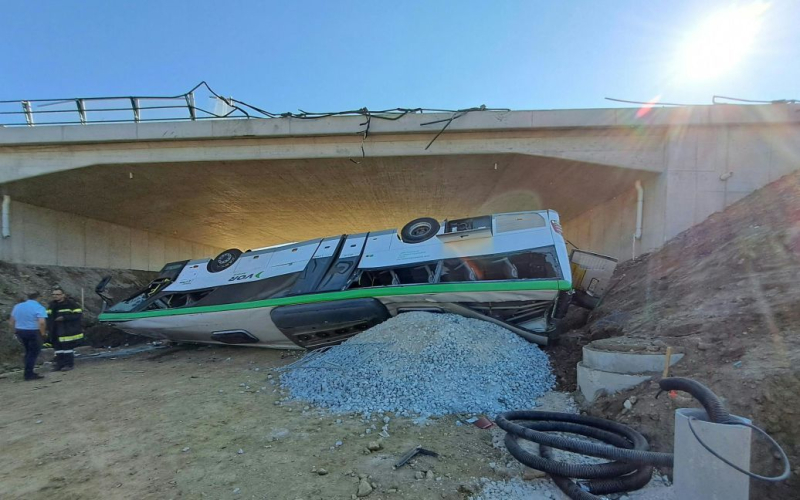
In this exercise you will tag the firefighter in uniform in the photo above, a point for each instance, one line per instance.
(65, 329)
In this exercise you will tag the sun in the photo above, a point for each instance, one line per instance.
(720, 43)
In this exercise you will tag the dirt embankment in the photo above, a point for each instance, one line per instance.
(17, 279)
(728, 292)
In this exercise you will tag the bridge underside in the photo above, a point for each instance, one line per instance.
(251, 204)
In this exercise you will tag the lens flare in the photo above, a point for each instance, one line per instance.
(641, 112)
(720, 43)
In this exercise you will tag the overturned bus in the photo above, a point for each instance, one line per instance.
(511, 269)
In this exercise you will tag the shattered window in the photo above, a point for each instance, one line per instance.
(525, 265)
(407, 275)
(130, 304)
(510, 266)
(176, 300)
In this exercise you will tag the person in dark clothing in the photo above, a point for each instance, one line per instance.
(65, 329)
(28, 324)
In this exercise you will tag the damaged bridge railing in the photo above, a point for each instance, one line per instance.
(185, 107)
(119, 109)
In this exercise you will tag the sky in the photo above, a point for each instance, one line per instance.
(338, 55)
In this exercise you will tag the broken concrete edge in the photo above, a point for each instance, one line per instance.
(626, 362)
(592, 382)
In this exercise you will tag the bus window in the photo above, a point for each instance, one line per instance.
(177, 299)
(508, 266)
(407, 275)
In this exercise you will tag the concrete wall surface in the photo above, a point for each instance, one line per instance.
(609, 227)
(708, 169)
(47, 237)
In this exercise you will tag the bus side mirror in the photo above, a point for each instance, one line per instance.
(101, 287)
(100, 290)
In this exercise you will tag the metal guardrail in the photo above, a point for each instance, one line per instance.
(117, 109)
(133, 109)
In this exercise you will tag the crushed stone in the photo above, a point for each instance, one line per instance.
(422, 363)
(517, 489)
(659, 488)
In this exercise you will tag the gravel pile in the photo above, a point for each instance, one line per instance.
(517, 489)
(424, 364)
(659, 488)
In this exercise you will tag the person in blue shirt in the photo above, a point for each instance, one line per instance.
(28, 322)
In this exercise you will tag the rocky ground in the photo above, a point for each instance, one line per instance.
(208, 422)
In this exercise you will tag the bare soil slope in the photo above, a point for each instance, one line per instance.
(728, 292)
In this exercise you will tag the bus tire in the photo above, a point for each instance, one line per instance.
(224, 260)
(419, 230)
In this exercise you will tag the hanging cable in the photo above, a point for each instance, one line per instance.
(651, 103)
(237, 109)
(752, 101)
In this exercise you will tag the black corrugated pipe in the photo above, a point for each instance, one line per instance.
(632, 464)
(630, 470)
(714, 408)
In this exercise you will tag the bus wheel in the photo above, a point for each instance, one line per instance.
(224, 260)
(419, 230)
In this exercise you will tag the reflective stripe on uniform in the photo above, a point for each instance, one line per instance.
(64, 352)
(70, 338)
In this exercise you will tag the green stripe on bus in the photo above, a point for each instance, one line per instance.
(500, 286)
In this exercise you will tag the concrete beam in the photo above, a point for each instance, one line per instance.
(619, 148)
(690, 116)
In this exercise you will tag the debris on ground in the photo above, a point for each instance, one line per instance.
(421, 363)
(417, 450)
(364, 488)
(483, 423)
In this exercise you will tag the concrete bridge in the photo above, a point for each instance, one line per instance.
(138, 195)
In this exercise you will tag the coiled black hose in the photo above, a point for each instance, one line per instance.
(632, 463)
(630, 470)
